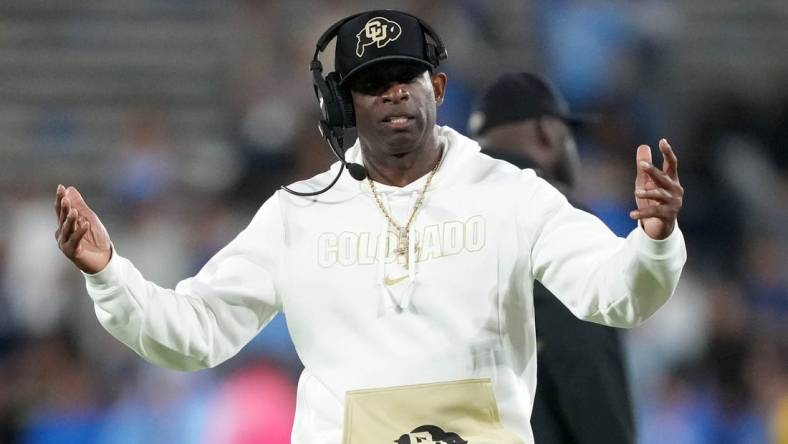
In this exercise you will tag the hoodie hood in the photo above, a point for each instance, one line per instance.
(457, 149)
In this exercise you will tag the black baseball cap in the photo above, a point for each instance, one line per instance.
(520, 96)
(377, 36)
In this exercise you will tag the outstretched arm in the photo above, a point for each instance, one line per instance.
(599, 277)
(205, 319)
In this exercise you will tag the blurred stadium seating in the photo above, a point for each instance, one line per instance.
(177, 118)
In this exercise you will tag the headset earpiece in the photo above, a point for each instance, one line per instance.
(322, 91)
(344, 101)
(336, 104)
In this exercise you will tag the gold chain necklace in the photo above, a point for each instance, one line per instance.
(402, 232)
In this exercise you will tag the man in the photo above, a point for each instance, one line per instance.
(582, 394)
(408, 293)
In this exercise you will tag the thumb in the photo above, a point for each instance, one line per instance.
(643, 155)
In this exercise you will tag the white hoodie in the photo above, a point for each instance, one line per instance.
(462, 309)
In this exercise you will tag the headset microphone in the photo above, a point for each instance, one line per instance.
(335, 139)
(357, 171)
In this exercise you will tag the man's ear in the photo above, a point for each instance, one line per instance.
(439, 80)
(548, 131)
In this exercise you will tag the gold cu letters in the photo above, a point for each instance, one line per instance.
(379, 31)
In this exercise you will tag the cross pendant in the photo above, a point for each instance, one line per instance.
(402, 246)
(402, 242)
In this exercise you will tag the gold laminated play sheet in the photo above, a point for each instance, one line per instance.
(455, 412)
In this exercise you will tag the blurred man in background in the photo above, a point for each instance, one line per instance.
(582, 394)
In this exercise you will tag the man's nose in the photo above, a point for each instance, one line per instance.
(395, 93)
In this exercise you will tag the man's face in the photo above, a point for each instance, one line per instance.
(395, 104)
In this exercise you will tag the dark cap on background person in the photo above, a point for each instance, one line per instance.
(520, 96)
(382, 35)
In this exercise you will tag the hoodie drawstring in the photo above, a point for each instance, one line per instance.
(411, 261)
(389, 303)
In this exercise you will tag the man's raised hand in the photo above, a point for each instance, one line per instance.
(80, 234)
(658, 193)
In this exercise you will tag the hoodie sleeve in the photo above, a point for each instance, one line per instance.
(207, 318)
(600, 277)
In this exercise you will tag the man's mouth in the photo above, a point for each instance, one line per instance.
(400, 121)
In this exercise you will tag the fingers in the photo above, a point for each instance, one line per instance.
(71, 233)
(65, 200)
(667, 193)
(658, 194)
(65, 207)
(670, 165)
(67, 228)
(659, 177)
(75, 198)
(82, 227)
(664, 212)
(62, 207)
(89, 250)
(58, 196)
(643, 154)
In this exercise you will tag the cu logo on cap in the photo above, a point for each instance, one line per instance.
(378, 30)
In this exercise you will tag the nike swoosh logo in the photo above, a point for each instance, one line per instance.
(388, 281)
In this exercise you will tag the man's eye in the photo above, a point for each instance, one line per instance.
(368, 87)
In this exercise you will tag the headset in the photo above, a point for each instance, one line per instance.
(336, 103)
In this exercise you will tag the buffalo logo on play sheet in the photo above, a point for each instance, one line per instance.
(379, 31)
(430, 434)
